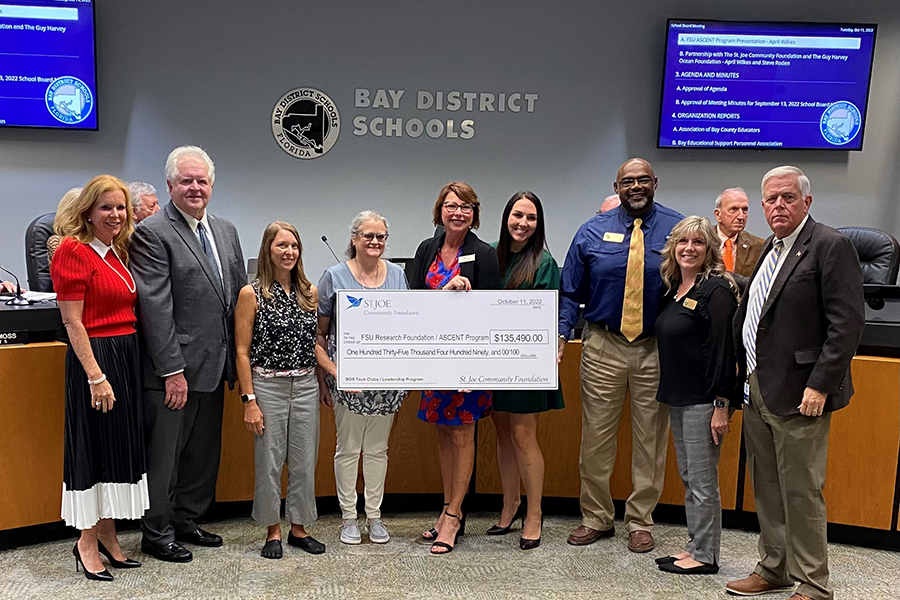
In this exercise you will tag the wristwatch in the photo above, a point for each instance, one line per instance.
(245, 398)
(719, 403)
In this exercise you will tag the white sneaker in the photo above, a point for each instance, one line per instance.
(350, 532)
(378, 533)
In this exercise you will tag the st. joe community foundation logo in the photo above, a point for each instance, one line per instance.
(840, 123)
(69, 100)
(354, 302)
(306, 123)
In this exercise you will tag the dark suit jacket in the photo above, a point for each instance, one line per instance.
(483, 272)
(811, 323)
(749, 248)
(187, 318)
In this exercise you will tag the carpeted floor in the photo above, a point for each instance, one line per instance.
(481, 567)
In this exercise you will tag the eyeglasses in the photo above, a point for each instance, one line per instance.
(465, 209)
(630, 181)
(368, 236)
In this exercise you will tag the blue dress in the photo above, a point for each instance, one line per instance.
(450, 407)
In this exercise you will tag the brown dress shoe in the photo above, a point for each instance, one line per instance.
(799, 597)
(584, 535)
(755, 585)
(640, 541)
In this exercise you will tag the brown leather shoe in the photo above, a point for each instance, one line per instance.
(584, 535)
(755, 585)
(799, 597)
(640, 541)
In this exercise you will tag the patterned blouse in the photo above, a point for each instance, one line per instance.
(284, 335)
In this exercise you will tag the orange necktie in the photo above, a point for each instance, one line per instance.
(633, 303)
(728, 255)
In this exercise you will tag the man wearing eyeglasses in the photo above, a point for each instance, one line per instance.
(612, 268)
(796, 331)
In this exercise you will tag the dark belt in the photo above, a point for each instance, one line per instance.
(644, 335)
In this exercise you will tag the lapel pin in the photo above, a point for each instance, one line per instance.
(799, 254)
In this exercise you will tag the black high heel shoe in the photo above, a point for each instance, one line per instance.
(520, 514)
(103, 575)
(527, 544)
(461, 531)
(432, 532)
(119, 564)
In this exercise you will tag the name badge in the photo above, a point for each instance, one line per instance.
(747, 393)
(467, 258)
(690, 304)
(610, 236)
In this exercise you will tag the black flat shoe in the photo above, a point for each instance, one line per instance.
(520, 514)
(702, 569)
(307, 544)
(103, 575)
(119, 564)
(663, 560)
(272, 550)
(171, 552)
(198, 537)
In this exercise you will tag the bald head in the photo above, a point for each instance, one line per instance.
(732, 207)
(609, 203)
(636, 185)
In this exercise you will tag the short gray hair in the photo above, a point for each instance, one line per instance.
(188, 152)
(802, 179)
(358, 220)
(138, 189)
(726, 192)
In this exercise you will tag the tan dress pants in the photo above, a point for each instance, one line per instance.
(610, 367)
(787, 457)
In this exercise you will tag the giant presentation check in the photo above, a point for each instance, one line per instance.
(424, 339)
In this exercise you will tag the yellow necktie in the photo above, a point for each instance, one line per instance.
(633, 303)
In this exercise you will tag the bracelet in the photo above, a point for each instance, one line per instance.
(96, 381)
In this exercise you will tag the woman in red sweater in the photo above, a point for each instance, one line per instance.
(104, 472)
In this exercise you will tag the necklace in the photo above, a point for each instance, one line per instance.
(132, 287)
(360, 272)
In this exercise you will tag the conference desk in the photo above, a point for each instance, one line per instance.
(860, 489)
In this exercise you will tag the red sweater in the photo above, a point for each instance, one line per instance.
(79, 274)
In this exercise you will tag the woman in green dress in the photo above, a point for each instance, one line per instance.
(525, 264)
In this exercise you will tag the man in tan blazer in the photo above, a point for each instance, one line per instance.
(732, 207)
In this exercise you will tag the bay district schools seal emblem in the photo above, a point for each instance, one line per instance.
(840, 123)
(69, 100)
(306, 123)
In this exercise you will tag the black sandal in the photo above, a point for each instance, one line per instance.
(447, 547)
(432, 532)
(272, 549)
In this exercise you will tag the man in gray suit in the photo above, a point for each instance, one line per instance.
(189, 268)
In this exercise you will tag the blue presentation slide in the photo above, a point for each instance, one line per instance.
(47, 64)
(765, 85)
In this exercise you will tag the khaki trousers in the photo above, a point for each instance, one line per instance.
(610, 366)
(787, 458)
(369, 435)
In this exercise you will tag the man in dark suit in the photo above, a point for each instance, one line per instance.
(189, 269)
(798, 326)
(739, 248)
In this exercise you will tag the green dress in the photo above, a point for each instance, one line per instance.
(532, 401)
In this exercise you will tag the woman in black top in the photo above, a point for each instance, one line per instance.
(697, 379)
(454, 259)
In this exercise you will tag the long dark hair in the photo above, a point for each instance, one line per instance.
(531, 254)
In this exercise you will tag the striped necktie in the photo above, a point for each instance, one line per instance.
(207, 250)
(633, 302)
(754, 312)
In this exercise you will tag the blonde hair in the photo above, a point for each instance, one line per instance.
(713, 263)
(72, 217)
(67, 199)
(265, 273)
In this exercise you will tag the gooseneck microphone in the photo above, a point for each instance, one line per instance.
(18, 300)
(325, 239)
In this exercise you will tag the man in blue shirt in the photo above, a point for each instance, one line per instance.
(612, 267)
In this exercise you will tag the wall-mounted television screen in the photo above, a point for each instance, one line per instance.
(729, 84)
(48, 75)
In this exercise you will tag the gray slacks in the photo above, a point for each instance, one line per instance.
(290, 408)
(183, 448)
(698, 461)
(787, 458)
